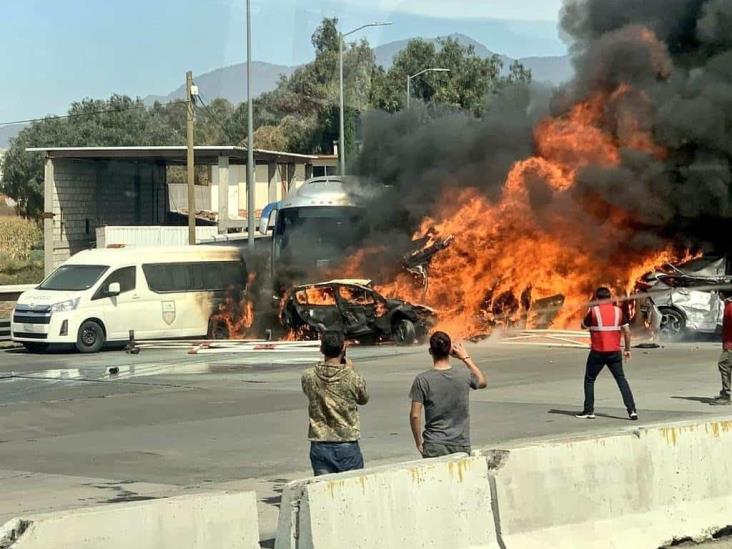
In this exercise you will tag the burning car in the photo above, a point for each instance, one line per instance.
(354, 307)
(687, 295)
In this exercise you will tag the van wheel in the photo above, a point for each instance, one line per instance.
(90, 338)
(35, 347)
(217, 330)
(404, 332)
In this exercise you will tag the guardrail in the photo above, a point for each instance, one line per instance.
(8, 296)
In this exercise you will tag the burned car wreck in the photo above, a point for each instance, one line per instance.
(355, 308)
(687, 296)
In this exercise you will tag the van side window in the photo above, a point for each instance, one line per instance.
(196, 276)
(126, 278)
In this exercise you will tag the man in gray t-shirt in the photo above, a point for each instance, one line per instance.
(443, 393)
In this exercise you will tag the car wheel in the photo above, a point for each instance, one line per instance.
(404, 332)
(218, 330)
(35, 347)
(673, 323)
(91, 337)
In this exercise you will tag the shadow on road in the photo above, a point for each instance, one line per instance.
(703, 400)
(572, 414)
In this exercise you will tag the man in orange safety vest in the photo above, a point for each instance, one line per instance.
(608, 327)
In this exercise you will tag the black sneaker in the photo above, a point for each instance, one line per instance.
(721, 400)
(633, 416)
(585, 415)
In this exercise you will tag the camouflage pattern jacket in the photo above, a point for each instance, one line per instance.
(334, 392)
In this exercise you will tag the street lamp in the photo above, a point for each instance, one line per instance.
(251, 184)
(409, 80)
(341, 138)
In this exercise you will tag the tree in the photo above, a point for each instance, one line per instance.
(467, 86)
(119, 121)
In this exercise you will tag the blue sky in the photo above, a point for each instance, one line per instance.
(57, 51)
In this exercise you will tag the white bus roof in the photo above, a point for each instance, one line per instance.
(170, 254)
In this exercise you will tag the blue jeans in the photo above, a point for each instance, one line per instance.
(335, 457)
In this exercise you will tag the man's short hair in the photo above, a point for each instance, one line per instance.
(603, 293)
(331, 343)
(440, 345)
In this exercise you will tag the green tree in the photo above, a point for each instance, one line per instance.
(119, 121)
(467, 86)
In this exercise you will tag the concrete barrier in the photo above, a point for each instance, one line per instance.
(430, 504)
(202, 521)
(642, 488)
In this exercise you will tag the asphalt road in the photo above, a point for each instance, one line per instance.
(72, 434)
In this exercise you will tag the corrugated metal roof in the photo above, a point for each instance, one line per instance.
(173, 154)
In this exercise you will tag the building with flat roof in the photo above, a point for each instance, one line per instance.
(90, 187)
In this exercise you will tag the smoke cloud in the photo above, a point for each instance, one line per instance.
(675, 56)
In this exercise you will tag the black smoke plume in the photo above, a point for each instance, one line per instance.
(676, 55)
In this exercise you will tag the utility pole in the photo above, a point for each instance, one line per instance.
(341, 123)
(190, 161)
(251, 184)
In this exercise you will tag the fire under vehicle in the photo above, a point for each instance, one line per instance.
(355, 308)
(688, 295)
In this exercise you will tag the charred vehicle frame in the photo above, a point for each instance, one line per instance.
(357, 309)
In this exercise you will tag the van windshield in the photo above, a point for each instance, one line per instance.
(73, 277)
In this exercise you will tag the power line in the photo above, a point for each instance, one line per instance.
(81, 114)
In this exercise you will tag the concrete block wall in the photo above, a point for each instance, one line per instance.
(74, 207)
(87, 194)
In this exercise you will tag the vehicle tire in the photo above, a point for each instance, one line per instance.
(35, 347)
(217, 330)
(404, 332)
(673, 323)
(91, 337)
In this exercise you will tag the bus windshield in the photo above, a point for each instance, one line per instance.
(316, 236)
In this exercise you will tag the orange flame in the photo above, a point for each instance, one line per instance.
(237, 315)
(542, 238)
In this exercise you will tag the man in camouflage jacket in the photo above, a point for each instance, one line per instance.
(334, 390)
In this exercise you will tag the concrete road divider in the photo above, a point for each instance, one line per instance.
(643, 488)
(430, 504)
(202, 521)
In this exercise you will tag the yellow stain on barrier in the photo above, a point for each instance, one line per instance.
(334, 485)
(459, 468)
(417, 474)
(715, 428)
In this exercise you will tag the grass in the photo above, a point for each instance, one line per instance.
(21, 251)
(13, 271)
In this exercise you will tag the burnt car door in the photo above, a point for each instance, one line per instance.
(317, 307)
(358, 309)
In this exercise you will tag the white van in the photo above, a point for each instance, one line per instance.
(98, 296)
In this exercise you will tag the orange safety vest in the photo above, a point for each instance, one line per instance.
(605, 328)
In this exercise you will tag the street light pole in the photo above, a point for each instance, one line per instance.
(251, 184)
(341, 124)
(409, 80)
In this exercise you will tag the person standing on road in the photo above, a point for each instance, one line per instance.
(334, 390)
(725, 361)
(443, 392)
(607, 325)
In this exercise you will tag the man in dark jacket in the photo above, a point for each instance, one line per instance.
(334, 390)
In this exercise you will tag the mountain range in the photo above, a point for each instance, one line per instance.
(230, 82)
